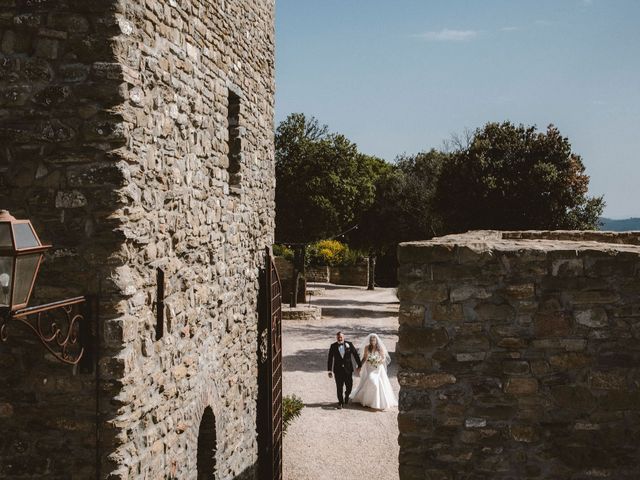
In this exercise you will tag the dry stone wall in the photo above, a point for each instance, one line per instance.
(121, 143)
(519, 356)
(205, 225)
(58, 132)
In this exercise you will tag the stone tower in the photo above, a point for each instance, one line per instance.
(137, 135)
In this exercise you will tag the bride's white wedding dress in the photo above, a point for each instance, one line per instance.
(374, 389)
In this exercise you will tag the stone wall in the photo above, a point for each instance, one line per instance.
(356, 275)
(121, 143)
(317, 274)
(58, 132)
(519, 356)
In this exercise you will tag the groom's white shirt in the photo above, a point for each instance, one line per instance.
(341, 349)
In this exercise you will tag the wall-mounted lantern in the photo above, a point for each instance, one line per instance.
(21, 253)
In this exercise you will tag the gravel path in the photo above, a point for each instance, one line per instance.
(325, 443)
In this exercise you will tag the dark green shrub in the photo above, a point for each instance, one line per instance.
(283, 251)
(291, 409)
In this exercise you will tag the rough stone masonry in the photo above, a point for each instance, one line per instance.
(520, 356)
(137, 135)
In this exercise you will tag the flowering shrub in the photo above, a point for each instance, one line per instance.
(326, 252)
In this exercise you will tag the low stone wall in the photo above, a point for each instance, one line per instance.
(356, 275)
(317, 274)
(519, 356)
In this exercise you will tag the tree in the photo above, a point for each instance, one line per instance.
(514, 178)
(322, 181)
(402, 209)
(322, 184)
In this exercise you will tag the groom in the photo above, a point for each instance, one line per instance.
(340, 367)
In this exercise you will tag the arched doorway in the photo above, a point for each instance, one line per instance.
(207, 446)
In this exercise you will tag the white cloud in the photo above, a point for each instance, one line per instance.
(509, 29)
(447, 35)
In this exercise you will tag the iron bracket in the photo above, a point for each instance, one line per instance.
(55, 324)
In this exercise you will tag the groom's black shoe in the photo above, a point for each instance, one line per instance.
(339, 407)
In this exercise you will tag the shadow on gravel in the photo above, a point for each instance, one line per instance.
(336, 302)
(331, 286)
(353, 333)
(315, 360)
(348, 313)
(311, 360)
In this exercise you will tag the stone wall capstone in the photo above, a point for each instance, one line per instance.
(519, 356)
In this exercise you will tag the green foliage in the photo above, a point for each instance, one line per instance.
(403, 206)
(332, 253)
(514, 178)
(501, 176)
(291, 409)
(283, 251)
(322, 182)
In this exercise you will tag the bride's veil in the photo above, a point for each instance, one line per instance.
(383, 347)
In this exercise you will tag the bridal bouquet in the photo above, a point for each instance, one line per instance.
(375, 359)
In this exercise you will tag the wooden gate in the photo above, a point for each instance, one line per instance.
(270, 373)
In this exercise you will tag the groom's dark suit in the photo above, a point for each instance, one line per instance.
(342, 368)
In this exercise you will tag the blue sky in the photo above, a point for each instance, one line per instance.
(400, 76)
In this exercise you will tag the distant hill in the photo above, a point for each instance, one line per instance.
(624, 225)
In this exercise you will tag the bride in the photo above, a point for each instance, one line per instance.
(374, 389)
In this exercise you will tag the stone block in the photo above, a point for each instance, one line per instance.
(470, 356)
(495, 313)
(422, 339)
(520, 291)
(47, 48)
(564, 267)
(592, 318)
(571, 397)
(447, 312)
(425, 381)
(412, 315)
(521, 386)
(569, 361)
(555, 324)
(466, 292)
(524, 433)
(594, 297)
(516, 367)
(608, 380)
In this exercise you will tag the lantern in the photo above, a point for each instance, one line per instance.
(21, 252)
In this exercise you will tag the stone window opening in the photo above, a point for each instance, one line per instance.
(234, 143)
(159, 303)
(207, 446)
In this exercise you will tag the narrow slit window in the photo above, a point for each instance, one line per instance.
(234, 141)
(159, 303)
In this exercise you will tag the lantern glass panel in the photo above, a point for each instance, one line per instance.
(5, 235)
(6, 272)
(25, 238)
(26, 267)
